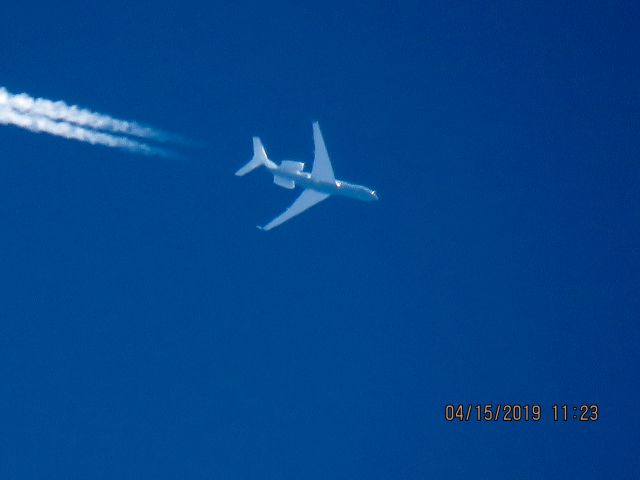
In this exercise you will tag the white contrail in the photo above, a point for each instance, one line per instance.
(68, 121)
(60, 111)
(33, 123)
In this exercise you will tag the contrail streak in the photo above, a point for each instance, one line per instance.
(75, 132)
(60, 111)
(72, 122)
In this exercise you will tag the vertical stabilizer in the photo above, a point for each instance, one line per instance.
(259, 158)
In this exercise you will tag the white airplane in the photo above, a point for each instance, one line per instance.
(318, 185)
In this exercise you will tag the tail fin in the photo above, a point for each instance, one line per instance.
(259, 158)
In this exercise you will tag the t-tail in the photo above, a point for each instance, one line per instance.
(259, 158)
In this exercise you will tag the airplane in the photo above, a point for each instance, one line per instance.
(318, 185)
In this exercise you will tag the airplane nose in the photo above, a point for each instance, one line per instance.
(374, 195)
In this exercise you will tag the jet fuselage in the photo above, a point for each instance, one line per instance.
(337, 187)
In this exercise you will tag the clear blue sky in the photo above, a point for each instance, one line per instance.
(148, 330)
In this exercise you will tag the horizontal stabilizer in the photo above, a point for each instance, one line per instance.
(283, 182)
(259, 158)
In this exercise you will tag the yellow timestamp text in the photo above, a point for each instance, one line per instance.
(520, 412)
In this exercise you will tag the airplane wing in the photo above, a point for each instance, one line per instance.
(307, 199)
(322, 169)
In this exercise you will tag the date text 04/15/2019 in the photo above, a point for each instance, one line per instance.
(516, 412)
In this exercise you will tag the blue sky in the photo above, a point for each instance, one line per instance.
(148, 330)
